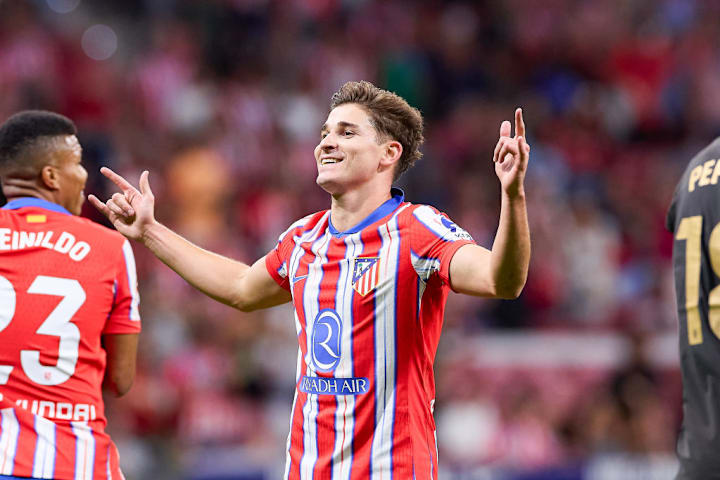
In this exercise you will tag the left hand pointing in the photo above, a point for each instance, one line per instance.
(511, 156)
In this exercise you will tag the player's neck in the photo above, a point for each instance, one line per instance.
(350, 208)
(13, 189)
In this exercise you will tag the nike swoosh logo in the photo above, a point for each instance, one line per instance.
(301, 277)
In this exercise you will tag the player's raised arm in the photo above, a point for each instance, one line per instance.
(501, 272)
(233, 283)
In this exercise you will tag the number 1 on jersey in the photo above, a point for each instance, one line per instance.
(690, 230)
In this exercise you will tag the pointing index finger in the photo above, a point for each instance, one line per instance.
(99, 205)
(519, 123)
(117, 180)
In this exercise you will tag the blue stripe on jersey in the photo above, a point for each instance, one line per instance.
(379, 393)
(315, 249)
(339, 308)
(352, 362)
(419, 293)
(393, 231)
(394, 221)
(307, 367)
(384, 375)
(337, 305)
(323, 260)
(375, 365)
(380, 390)
(397, 197)
(34, 202)
(84, 451)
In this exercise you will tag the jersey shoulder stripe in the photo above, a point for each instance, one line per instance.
(439, 224)
(132, 282)
(308, 220)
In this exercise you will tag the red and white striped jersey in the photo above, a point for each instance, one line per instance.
(64, 282)
(369, 308)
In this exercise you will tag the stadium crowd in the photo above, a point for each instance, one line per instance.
(223, 101)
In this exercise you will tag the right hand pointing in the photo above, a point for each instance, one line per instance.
(131, 212)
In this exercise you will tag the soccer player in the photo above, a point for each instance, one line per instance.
(368, 279)
(694, 219)
(69, 318)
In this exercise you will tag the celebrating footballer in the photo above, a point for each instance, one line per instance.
(368, 279)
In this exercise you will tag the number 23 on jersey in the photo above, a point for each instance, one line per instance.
(57, 324)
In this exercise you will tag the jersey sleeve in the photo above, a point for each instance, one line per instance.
(276, 261)
(125, 315)
(434, 240)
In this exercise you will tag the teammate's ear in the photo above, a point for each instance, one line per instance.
(49, 177)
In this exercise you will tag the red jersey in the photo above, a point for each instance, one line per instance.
(369, 308)
(64, 282)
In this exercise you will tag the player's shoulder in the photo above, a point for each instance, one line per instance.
(430, 220)
(96, 231)
(709, 152)
(420, 212)
(703, 164)
(304, 224)
(693, 192)
(712, 150)
(414, 208)
(65, 221)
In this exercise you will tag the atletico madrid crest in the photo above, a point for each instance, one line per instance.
(366, 274)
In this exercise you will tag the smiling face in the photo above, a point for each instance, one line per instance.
(348, 154)
(71, 175)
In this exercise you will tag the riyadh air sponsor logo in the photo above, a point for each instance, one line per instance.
(334, 386)
(366, 274)
(326, 336)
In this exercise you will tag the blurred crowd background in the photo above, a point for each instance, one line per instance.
(222, 100)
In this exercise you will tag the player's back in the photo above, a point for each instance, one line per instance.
(64, 282)
(694, 219)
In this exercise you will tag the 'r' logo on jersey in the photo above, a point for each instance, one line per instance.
(366, 273)
(326, 340)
